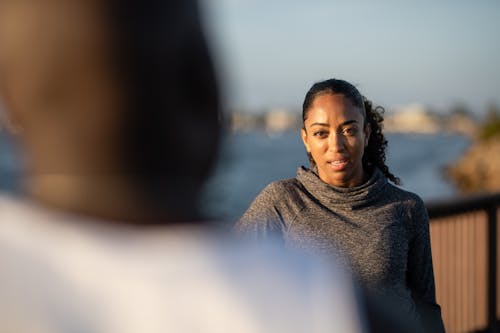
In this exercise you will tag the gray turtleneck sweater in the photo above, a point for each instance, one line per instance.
(379, 230)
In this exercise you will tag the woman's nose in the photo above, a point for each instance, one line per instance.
(336, 142)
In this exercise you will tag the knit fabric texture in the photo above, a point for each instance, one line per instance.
(378, 230)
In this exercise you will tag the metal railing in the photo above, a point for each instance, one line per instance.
(464, 243)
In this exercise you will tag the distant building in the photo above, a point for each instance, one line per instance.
(272, 121)
(244, 121)
(414, 118)
(280, 120)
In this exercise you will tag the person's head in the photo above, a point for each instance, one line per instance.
(118, 91)
(342, 134)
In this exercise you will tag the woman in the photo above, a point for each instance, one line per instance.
(344, 203)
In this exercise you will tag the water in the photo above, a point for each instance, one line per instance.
(250, 161)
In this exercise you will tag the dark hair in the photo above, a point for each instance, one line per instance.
(374, 154)
(172, 118)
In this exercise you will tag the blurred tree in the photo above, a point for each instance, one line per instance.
(461, 109)
(491, 125)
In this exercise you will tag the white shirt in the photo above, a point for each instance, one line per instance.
(64, 273)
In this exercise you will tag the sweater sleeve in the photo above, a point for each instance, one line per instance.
(263, 218)
(421, 274)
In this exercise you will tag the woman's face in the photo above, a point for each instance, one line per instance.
(336, 138)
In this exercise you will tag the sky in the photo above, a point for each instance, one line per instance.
(436, 53)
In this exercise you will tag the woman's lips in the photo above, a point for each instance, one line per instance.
(338, 165)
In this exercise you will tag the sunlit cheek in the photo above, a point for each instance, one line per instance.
(321, 145)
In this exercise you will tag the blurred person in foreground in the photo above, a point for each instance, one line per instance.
(343, 204)
(116, 105)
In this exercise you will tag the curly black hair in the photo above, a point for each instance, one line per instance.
(374, 154)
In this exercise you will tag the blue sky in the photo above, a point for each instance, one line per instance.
(438, 53)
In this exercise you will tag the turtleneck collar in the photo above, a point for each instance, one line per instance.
(347, 197)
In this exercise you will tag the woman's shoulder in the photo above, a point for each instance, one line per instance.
(405, 197)
(285, 193)
(411, 208)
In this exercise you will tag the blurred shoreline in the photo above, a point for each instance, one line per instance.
(476, 170)
(413, 118)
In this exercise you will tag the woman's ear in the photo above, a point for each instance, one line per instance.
(368, 132)
(303, 135)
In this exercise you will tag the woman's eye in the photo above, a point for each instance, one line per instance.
(320, 134)
(350, 131)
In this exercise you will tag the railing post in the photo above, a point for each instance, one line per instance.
(492, 269)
